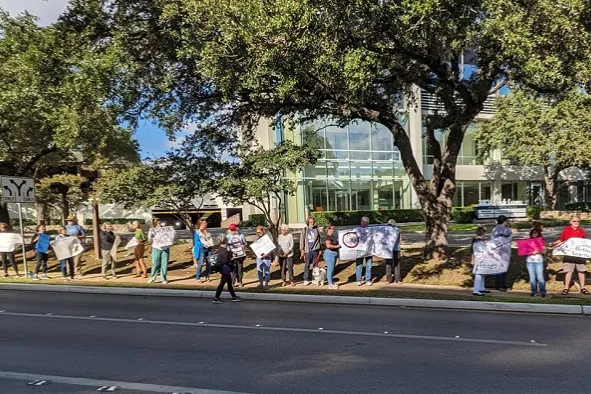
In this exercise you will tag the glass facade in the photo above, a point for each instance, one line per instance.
(468, 153)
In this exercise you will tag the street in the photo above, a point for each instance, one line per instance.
(136, 344)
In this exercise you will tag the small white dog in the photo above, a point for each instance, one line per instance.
(318, 276)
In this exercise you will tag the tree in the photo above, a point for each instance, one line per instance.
(55, 102)
(69, 195)
(346, 59)
(263, 178)
(540, 131)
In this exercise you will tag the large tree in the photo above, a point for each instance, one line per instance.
(547, 132)
(56, 106)
(230, 63)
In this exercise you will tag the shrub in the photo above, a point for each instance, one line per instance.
(462, 214)
(534, 211)
(348, 218)
(88, 222)
(578, 206)
(257, 220)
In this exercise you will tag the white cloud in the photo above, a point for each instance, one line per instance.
(46, 10)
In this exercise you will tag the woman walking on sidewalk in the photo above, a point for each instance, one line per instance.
(138, 251)
(41, 242)
(203, 242)
(7, 257)
(285, 255)
(225, 262)
(330, 255)
(65, 263)
(535, 267)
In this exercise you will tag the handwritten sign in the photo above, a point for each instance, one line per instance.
(262, 246)
(162, 237)
(133, 242)
(8, 241)
(64, 248)
(526, 247)
(575, 247)
(493, 257)
(361, 242)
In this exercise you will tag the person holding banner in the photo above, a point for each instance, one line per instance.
(363, 234)
(395, 260)
(571, 264)
(7, 257)
(138, 250)
(535, 266)
(160, 254)
(285, 255)
(65, 263)
(478, 246)
(309, 247)
(263, 263)
(75, 230)
(502, 230)
(41, 242)
(236, 244)
(330, 254)
(202, 247)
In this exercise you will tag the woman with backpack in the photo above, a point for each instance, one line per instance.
(224, 265)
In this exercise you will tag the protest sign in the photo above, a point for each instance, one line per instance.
(574, 247)
(162, 237)
(8, 241)
(526, 247)
(262, 246)
(132, 243)
(115, 246)
(494, 258)
(361, 242)
(67, 247)
(235, 245)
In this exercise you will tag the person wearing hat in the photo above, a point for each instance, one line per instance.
(236, 243)
(73, 229)
(395, 260)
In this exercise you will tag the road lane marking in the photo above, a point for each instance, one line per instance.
(142, 387)
(284, 329)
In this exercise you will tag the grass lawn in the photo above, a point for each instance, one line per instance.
(471, 227)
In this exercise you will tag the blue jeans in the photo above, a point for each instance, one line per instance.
(331, 260)
(64, 264)
(203, 255)
(310, 259)
(264, 270)
(536, 273)
(359, 269)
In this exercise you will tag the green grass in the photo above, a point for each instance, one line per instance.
(471, 227)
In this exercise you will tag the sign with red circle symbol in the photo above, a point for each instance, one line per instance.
(350, 239)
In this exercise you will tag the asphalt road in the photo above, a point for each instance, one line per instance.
(164, 345)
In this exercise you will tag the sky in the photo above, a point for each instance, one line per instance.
(152, 140)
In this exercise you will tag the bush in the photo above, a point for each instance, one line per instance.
(578, 206)
(534, 211)
(349, 218)
(257, 220)
(88, 222)
(462, 214)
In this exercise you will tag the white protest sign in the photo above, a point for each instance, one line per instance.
(494, 257)
(115, 246)
(133, 242)
(361, 242)
(163, 237)
(262, 246)
(8, 242)
(575, 247)
(64, 248)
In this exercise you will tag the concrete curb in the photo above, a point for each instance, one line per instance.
(316, 299)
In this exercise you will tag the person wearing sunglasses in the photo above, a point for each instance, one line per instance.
(570, 264)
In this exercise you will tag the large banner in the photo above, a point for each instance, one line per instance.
(361, 242)
(163, 237)
(493, 257)
(64, 248)
(9, 241)
(575, 247)
(262, 246)
(525, 247)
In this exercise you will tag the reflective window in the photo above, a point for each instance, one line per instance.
(359, 137)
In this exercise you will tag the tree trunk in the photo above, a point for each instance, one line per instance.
(551, 189)
(437, 215)
(41, 214)
(65, 207)
(4, 214)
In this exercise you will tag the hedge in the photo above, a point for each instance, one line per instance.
(534, 211)
(88, 222)
(349, 218)
(578, 206)
(462, 214)
(254, 220)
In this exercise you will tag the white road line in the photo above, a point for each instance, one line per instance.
(153, 388)
(285, 329)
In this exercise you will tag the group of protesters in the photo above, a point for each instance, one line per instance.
(534, 259)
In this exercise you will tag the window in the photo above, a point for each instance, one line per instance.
(318, 195)
(381, 138)
(361, 196)
(359, 138)
(338, 169)
(337, 142)
(361, 169)
(383, 170)
(339, 196)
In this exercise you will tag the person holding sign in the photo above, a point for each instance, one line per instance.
(107, 241)
(478, 246)
(395, 260)
(160, 246)
(364, 235)
(571, 264)
(236, 244)
(75, 230)
(65, 263)
(309, 247)
(138, 250)
(7, 257)
(330, 254)
(263, 261)
(41, 242)
(535, 266)
(285, 254)
(502, 230)
(202, 247)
